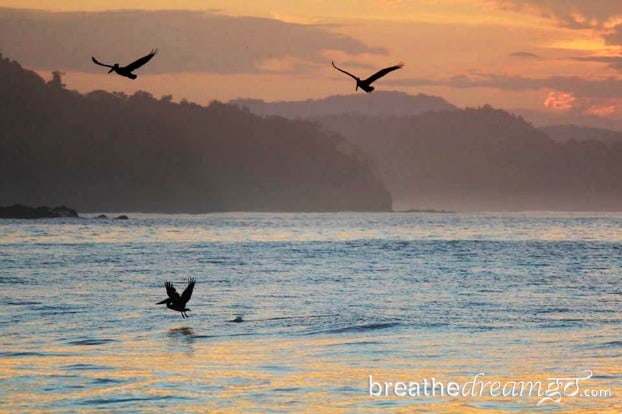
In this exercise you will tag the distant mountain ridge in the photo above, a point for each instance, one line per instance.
(484, 159)
(547, 118)
(379, 103)
(432, 155)
(387, 104)
(569, 132)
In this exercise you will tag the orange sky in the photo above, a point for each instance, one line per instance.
(510, 53)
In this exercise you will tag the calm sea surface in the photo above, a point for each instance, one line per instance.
(334, 307)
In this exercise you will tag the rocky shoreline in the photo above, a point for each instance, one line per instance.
(19, 211)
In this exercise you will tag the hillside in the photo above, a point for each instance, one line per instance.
(111, 152)
(484, 159)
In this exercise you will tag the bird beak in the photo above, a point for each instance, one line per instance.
(357, 87)
(111, 69)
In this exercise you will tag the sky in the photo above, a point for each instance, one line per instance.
(561, 56)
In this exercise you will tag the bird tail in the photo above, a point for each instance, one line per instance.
(162, 302)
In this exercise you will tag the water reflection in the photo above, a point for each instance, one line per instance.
(302, 375)
(182, 337)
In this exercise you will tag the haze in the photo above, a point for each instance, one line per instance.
(553, 55)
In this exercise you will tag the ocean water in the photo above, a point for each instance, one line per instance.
(335, 307)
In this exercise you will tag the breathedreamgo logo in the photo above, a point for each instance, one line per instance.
(551, 390)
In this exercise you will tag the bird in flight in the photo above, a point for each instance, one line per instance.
(127, 70)
(176, 302)
(365, 84)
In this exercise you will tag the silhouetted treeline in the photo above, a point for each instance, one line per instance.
(485, 159)
(110, 152)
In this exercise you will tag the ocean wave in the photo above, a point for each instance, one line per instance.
(357, 328)
(91, 341)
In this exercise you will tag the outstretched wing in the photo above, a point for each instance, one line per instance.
(97, 62)
(185, 297)
(347, 73)
(383, 72)
(171, 292)
(138, 63)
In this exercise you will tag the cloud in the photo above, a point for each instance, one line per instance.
(591, 96)
(614, 37)
(576, 14)
(609, 87)
(389, 3)
(189, 41)
(614, 62)
(558, 100)
(603, 110)
(526, 55)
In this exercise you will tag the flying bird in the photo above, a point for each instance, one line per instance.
(365, 84)
(127, 70)
(176, 302)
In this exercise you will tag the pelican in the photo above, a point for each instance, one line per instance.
(127, 70)
(176, 302)
(365, 84)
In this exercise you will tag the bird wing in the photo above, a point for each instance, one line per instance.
(171, 292)
(347, 73)
(97, 62)
(382, 72)
(185, 297)
(139, 62)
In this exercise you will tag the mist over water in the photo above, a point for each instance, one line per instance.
(326, 299)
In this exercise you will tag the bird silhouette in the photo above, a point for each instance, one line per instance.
(176, 302)
(127, 70)
(365, 84)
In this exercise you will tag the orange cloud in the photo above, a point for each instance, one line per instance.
(189, 41)
(603, 108)
(602, 111)
(564, 101)
(389, 3)
(576, 14)
(559, 100)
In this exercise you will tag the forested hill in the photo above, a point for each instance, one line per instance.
(110, 152)
(485, 159)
